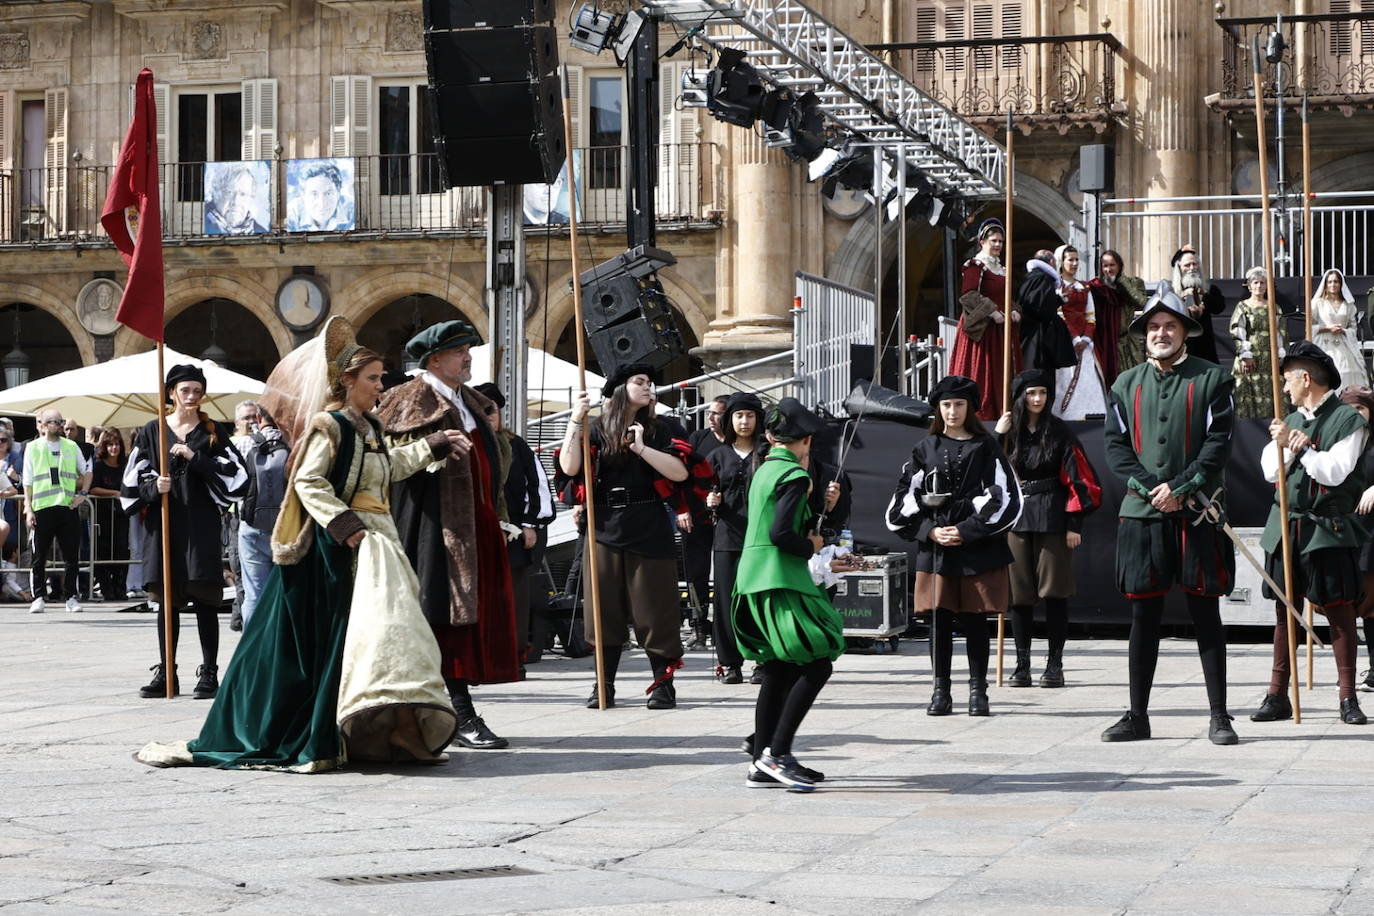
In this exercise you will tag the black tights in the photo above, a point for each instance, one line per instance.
(1056, 625)
(1368, 623)
(207, 625)
(976, 643)
(785, 698)
(1146, 614)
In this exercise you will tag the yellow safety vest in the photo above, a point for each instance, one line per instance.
(43, 494)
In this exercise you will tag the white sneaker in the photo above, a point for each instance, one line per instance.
(73, 605)
(36, 607)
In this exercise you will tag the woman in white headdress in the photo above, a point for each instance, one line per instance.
(1079, 389)
(1333, 328)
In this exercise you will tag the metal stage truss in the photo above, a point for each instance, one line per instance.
(792, 46)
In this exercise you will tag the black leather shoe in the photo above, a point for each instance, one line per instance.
(1054, 674)
(207, 683)
(664, 696)
(941, 703)
(756, 676)
(1275, 707)
(1020, 675)
(594, 701)
(474, 734)
(978, 698)
(1131, 727)
(157, 687)
(1351, 714)
(1221, 732)
(1367, 679)
(731, 674)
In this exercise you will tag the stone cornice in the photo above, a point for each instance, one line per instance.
(197, 9)
(54, 11)
(356, 7)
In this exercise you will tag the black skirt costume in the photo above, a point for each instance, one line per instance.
(733, 475)
(1059, 488)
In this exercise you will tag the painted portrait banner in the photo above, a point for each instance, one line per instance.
(238, 198)
(320, 196)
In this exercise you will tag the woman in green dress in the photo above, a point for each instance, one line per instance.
(782, 619)
(1250, 328)
(340, 663)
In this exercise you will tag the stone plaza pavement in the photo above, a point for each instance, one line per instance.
(630, 811)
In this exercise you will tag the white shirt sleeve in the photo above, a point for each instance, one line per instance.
(28, 468)
(1269, 461)
(1332, 466)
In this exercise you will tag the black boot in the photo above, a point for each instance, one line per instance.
(157, 687)
(1351, 714)
(978, 697)
(664, 696)
(1021, 676)
(472, 730)
(701, 632)
(207, 683)
(941, 704)
(1275, 707)
(610, 665)
(1054, 670)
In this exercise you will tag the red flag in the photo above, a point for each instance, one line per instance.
(133, 217)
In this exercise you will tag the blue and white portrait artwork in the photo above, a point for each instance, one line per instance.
(319, 195)
(238, 198)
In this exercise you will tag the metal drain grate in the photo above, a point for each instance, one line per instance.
(450, 874)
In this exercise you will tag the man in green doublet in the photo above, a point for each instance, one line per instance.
(1323, 441)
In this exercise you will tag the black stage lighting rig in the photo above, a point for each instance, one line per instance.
(593, 29)
(628, 318)
(794, 124)
(734, 92)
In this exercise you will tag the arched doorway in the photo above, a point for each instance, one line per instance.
(38, 334)
(231, 335)
(396, 322)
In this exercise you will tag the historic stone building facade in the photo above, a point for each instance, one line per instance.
(283, 81)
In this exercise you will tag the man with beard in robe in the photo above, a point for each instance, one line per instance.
(1200, 298)
(448, 520)
(1045, 340)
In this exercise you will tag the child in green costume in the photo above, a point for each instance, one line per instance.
(782, 619)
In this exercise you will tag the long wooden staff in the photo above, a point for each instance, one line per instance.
(589, 573)
(1006, 347)
(164, 462)
(1275, 386)
(1307, 290)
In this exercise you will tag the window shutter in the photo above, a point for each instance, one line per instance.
(1366, 30)
(577, 156)
(259, 119)
(1338, 41)
(350, 116)
(1011, 28)
(984, 26)
(954, 31)
(6, 107)
(677, 152)
(55, 159)
(927, 18)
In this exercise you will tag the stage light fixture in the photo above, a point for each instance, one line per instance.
(694, 87)
(794, 124)
(593, 29)
(626, 30)
(734, 90)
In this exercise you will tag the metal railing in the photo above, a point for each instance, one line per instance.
(1331, 55)
(1227, 232)
(1064, 77)
(831, 319)
(377, 195)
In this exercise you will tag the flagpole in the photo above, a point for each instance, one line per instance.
(589, 570)
(1275, 386)
(1307, 289)
(1006, 347)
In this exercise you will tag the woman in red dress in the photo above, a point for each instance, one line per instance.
(978, 347)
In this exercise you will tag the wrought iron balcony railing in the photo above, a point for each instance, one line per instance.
(399, 196)
(1331, 56)
(1063, 81)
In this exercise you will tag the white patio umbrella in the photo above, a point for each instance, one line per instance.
(124, 392)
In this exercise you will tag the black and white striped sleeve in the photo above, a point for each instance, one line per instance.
(905, 514)
(998, 507)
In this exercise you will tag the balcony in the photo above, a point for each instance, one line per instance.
(1059, 82)
(354, 197)
(1330, 56)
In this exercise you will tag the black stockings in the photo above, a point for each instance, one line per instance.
(1056, 626)
(207, 625)
(785, 698)
(1146, 614)
(976, 643)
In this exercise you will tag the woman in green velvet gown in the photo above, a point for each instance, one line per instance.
(340, 663)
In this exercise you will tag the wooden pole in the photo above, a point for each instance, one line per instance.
(1006, 347)
(1307, 290)
(1274, 377)
(589, 573)
(164, 461)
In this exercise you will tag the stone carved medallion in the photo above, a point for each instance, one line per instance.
(96, 305)
(404, 31)
(205, 41)
(14, 50)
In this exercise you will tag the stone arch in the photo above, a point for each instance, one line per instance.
(62, 310)
(378, 288)
(192, 289)
(852, 262)
(1349, 173)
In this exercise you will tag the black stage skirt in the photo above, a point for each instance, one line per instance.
(1154, 555)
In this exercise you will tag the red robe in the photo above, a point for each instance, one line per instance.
(981, 360)
(1113, 311)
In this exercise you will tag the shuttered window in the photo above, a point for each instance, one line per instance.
(955, 20)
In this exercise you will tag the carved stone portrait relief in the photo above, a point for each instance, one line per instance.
(404, 31)
(14, 50)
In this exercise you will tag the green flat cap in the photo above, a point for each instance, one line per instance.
(445, 335)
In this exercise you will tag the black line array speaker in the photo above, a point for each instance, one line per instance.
(1097, 168)
(486, 14)
(652, 341)
(498, 107)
